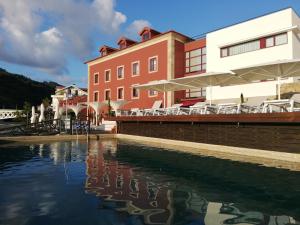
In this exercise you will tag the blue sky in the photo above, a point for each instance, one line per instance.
(50, 40)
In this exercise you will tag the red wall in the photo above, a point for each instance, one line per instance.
(179, 68)
(142, 55)
(194, 45)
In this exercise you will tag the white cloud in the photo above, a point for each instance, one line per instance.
(43, 34)
(136, 26)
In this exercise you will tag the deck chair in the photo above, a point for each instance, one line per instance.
(136, 112)
(154, 110)
(172, 110)
(199, 108)
(253, 105)
(295, 103)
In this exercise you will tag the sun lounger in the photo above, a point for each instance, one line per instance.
(296, 103)
(281, 105)
(136, 112)
(154, 110)
(229, 108)
(172, 110)
(253, 104)
(199, 108)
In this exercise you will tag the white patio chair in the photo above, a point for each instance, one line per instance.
(253, 104)
(229, 108)
(281, 105)
(296, 103)
(199, 108)
(172, 110)
(136, 112)
(154, 110)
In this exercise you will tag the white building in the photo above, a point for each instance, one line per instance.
(65, 94)
(265, 39)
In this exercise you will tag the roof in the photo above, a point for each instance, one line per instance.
(129, 41)
(74, 86)
(148, 29)
(105, 47)
(138, 43)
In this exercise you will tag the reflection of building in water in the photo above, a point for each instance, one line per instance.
(122, 190)
(127, 190)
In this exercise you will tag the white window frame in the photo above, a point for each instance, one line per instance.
(97, 96)
(122, 66)
(94, 78)
(152, 96)
(132, 97)
(153, 57)
(118, 88)
(106, 81)
(105, 94)
(135, 75)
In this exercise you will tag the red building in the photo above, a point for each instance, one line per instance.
(156, 56)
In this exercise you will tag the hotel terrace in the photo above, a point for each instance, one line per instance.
(123, 74)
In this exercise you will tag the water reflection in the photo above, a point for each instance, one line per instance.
(110, 182)
(154, 199)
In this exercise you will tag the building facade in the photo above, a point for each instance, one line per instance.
(164, 56)
(265, 39)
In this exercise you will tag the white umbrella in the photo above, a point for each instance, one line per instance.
(116, 104)
(97, 106)
(210, 79)
(56, 114)
(272, 70)
(33, 116)
(163, 86)
(42, 116)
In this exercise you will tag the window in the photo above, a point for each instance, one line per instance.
(281, 39)
(107, 94)
(120, 72)
(135, 93)
(153, 67)
(122, 45)
(135, 68)
(120, 91)
(107, 75)
(195, 93)
(96, 96)
(96, 78)
(254, 45)
(195, 60)
(104, 53)
(270, 42)
(146, 36)
(152, 93)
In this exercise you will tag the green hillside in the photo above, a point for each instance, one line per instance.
(15, 89)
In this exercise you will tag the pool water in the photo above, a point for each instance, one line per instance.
(114, 182)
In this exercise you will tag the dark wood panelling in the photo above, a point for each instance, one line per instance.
(283, 137)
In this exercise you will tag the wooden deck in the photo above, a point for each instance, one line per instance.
(285, 117)
(268, 131)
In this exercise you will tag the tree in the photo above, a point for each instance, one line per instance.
(27, 109)
(46, 102)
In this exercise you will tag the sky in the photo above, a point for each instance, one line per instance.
(49, 40)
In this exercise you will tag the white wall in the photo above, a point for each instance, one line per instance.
(296, 36)
(268, 88)
(243, 32)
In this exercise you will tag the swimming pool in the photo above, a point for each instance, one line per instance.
(116, 182)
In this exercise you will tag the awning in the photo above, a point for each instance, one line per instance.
(211, 79)
(163, 86)
(272, 70)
